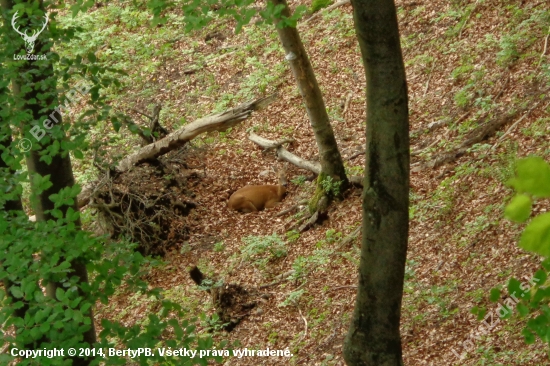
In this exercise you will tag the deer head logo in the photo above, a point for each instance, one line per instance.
(29, 40)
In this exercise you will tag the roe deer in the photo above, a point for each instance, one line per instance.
(256, 198)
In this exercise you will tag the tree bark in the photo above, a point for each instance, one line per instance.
(34, 75)
(373, 337)
(331, 160)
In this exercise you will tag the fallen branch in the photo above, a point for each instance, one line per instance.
(310, 222)
(429, 78)
(341, 287)
(348, 239)
(305, 321)
(292, 208)
(286, 155)
(279, 279)
(217, 122)
(477, 135)
(515, 124)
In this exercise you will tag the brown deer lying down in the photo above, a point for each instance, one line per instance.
(256, 198)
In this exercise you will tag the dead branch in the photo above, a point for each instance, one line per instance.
(217, 122)
(477, 135)
(348, 239)
(356, 154)
(429, 78)
(305, 321)
(292, 208)
(284, 154)
(309, 223)
(515, 124)
(346, 103)
(341, 287)
(545, 45)
(155, 127)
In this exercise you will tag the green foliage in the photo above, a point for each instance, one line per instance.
(208, 284)
(531, 181)
(302, 266)
(508, 49)
(213, 323)
(331, 186)
(292, 236)
(219, 246)
(317, 5)
(532, 177)
(519, 208)
(332, 236)
(37, 254)
(258, 246)
(59, 243)
(299, 180)
(292, 299)
(198, 15)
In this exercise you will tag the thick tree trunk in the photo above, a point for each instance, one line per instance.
(331, 160)
(34, 75)
(373, 337)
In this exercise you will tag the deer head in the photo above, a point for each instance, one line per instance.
(29, 40)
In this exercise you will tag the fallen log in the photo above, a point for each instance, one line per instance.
(216, 122)
(286, 155)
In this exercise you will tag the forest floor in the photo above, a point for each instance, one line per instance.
(468, 63)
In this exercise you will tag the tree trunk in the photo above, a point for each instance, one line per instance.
(34, 75)
(331, 160)
(373, 337)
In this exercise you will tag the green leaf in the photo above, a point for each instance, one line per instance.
(519, 208)
(495, 294)
(540, 277)
(78, 154)
(36, 333)
(514, 287)
(60, 294)
(536, 236)
(91, 57)
(16, 292)
(44, 327)
(522, 309)
(532, 176)
(58, 214)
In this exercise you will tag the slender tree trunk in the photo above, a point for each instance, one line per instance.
(373, 338)
(40, 103)
(331, 160)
